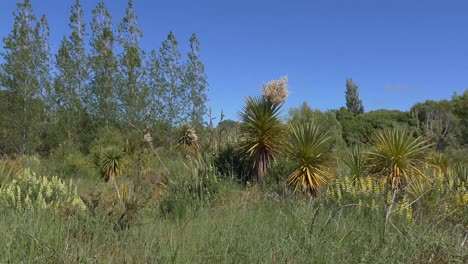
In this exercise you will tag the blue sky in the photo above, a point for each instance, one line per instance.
(398, 52)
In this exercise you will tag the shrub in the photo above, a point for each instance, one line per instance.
(67, 161)
(197, 187)
(232, 163)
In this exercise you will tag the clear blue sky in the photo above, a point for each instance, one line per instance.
(399, 52)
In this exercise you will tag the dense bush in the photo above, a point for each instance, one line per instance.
(198, 186)
(232, 163)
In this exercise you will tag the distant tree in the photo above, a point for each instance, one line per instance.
(382, 119)
(436, 120)
(24, 76)
(133, 91)
(45, 66)
(173, 98)
(353, 102)
(43, 56)
(460, 109)
(354, 129)
(153, 81)
(195, 81)
(72, 64)
(102, 94)
(72, 75)
(358, 129)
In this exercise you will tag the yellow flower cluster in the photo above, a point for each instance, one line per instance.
(366, 187)
(367, 193)
(27, 191)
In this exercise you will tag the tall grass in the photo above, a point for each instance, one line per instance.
(242, 226)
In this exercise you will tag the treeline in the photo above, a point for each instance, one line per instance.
(100, 79)
(101, 88)
(445, 121)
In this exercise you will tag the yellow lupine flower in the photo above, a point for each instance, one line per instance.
(409, 214)
(389, 198)
(376, 189)
(465, 198)
(369, 186)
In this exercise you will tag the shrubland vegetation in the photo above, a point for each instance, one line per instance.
(107, 158)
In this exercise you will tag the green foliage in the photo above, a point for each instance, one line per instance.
(109, 162)
(397, 156)
(27, 44)
(228, 131)
(385, 119)
(355, 159)
(309, 151)
(327, 121)
(231, 162)
(28, 191)
(71, 63)
(438, 122)
(358, 129)
(101, 94)
(355, 129)
(6, 170)
(261, 134)
(197, 186)
(67, 161)
(460, 109)
(133, 92)
(171, 95)
(244, 226)
(195, 81)
(353, 103)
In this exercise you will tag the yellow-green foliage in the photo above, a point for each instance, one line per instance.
(452, 190)
(446, 191)
(367, 193)
(28, 191)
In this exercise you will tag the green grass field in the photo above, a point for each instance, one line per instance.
(240, 225)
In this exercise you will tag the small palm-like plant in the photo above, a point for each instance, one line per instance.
(397, 156)
(188, 140)
(110, 163)
(309, 151)
(355, 159)
(440, 162)
(262, 133)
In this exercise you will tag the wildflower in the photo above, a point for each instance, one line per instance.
(369, 186)
(409, 214)
(347, 184)
(374, 204)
